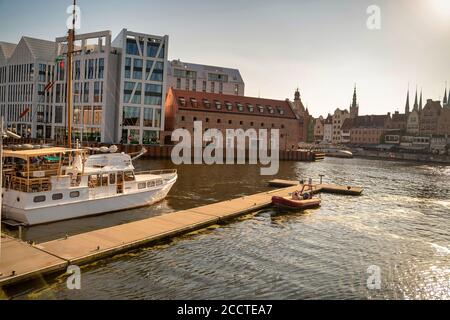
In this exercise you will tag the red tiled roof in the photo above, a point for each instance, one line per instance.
(194, 100)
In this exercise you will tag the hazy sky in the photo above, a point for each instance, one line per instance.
(323, 46)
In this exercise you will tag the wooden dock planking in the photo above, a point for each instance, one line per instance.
(25, 261)
(33, 261)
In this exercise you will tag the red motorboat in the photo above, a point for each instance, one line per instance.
(292, 203)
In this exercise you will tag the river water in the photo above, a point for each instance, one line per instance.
(400, 225)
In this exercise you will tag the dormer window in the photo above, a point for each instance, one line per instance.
(240, 107)
(261, 109)
(206, 103)
(218, 105)
(280, 111)
(250, 108)
(182, 102)
(271, 111)
(229, 106)
(194, 103)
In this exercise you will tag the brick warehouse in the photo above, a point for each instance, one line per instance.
(224, 112)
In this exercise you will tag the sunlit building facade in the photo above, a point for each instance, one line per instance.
(142, 87)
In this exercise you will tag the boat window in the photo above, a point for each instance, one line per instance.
(129, 176)
(75, 194)
(105, 180)
(159, 182)
(142, 185)
(93, 181)
(112, 178)
(151, 184)
(39, 199)
(57, 196)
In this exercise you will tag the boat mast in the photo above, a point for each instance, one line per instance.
(70, 51)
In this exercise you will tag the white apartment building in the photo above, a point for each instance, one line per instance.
(95, 74)
(142, 86)
(203, 78)
(25, 69)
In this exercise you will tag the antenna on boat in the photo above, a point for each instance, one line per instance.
(70, 51)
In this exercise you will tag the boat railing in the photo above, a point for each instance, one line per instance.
(29, 185)
(170, 172)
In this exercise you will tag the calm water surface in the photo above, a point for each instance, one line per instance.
(400, 224)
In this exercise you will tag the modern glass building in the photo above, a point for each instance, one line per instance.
(142, 86)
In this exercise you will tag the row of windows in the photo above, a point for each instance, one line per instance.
(81, 92)
(133, 136)
(87, 115)
(3, 74)
(93, 69)
(134, 69)
(230, 106)
(21, 73)
(20, 93)
(219, 121)
(19, 113)
(150, 184)
(133, 93)
(56, 197)
(151, 117)
(149, 48)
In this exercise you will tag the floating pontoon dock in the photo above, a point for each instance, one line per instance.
(20, 261)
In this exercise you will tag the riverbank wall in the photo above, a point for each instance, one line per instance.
(417, 157)
(165, 151)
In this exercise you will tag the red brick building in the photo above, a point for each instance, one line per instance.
(224, 112)
(429, 118)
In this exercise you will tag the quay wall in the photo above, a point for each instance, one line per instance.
(165, 151)
(418, 157)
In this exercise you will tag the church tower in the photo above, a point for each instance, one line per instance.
(445, 101)
(407, 104)
(416, 103)
(420, 102)
(354, 107)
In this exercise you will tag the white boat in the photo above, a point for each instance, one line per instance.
(54, 184)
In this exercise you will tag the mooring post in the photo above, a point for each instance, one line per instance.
(20, 232)
(321, 178)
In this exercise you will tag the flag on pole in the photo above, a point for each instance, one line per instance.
(24, 113)
(49, 86)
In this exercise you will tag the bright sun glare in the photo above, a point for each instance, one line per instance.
(443, 6)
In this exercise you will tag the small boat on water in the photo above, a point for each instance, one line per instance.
(294, 204)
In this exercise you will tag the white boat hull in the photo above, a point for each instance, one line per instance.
(84, 208)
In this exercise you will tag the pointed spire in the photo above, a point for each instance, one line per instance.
(420, 101)
(416, 104)
(355, 98)
(297, 95)
(407, 103)
(444, 102)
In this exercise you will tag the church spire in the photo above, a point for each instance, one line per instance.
(354, 107)
(297, 95)
(416, 104)
(407, 103)
(355, 98)
(420, 101)
(445, 101)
